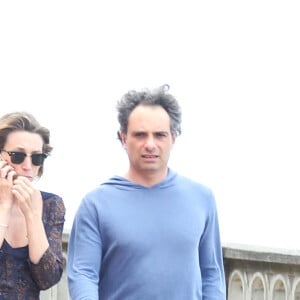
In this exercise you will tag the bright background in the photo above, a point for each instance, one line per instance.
(233, 65)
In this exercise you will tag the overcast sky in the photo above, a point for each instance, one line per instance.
(234, 66)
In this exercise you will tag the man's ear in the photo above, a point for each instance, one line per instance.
(122, 137)
(174, 136)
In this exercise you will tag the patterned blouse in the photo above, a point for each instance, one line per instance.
(19, 278)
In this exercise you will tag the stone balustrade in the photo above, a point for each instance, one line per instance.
(252, 273)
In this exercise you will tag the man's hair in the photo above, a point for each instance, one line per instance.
(155, 97)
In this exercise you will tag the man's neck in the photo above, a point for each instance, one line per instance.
(147, 179)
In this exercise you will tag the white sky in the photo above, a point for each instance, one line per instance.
(233, 65)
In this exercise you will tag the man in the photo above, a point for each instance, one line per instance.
(150, 234)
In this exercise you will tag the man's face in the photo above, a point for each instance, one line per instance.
(148, 140)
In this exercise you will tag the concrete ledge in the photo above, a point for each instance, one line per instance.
(261, 254)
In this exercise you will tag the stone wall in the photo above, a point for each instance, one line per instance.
(252, 273)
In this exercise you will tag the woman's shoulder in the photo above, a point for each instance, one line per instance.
(47, 195)
(52, 200)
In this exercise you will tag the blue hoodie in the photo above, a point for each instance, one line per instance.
(134, 242)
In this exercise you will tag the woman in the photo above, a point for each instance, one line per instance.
(31, 222)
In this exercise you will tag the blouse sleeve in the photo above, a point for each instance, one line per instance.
(50, 267)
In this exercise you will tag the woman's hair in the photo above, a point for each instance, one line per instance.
(159, 96)
(23, 121)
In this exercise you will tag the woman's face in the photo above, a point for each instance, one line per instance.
(25, 142)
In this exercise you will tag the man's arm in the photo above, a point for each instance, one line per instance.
(211, 257)
(84, 254)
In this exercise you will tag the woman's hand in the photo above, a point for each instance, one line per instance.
(30, 202)
(7, 175)
(28, 198)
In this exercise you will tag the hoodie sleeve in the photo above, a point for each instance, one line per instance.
(211, 257)
(84, 253)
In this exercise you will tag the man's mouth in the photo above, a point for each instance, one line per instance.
(149, 156)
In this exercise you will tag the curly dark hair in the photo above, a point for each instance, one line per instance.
(159, 96)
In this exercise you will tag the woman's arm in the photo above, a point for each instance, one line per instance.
(48, 270)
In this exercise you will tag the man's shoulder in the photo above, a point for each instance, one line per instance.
(193, 182)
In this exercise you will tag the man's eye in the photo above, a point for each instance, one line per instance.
(161, 134)
(139, 134)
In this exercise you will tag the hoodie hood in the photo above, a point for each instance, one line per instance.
(122, 183)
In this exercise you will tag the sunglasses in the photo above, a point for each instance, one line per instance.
(16, 157)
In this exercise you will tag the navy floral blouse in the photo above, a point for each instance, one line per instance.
(19, 278)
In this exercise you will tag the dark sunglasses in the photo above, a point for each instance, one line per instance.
(16, 157)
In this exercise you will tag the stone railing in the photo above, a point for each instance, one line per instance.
(252, 273)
